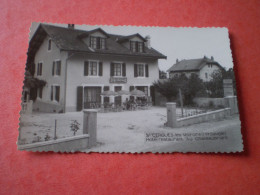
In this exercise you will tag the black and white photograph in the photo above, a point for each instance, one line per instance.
(129, 89)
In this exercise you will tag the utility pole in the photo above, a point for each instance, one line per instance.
(181, 102)
(55, 136)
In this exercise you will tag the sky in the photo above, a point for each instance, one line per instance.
(176, 43)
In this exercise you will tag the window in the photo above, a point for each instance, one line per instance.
(92, 68)
(93, 42)
(97, 42)
(102, 43)
(39, 69)
(140, 70)
(143, 89)
(206, 75)
(56, 68)
(39, 92)
(140, 47)
(136, 46)
(49, 45)
(133, 46)
(55, 93)
(117, 69)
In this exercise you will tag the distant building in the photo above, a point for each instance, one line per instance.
(203, 67)
(79, 65)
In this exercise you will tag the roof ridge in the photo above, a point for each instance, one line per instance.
(87, 31)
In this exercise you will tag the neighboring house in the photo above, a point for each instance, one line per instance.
(78, 65)
(203, 67)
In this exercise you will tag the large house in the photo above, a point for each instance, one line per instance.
(203, 67)
(79, 65)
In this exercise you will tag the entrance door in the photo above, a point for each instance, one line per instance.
(92, 98)
(118, 99)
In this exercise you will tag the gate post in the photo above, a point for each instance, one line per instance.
(231, 102)
(171, 114)
(90, 125)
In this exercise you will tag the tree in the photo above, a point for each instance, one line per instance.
(162, 74)
(190, 87)
(193, 86)
(32, 84)
(215, 85)
(167, 88)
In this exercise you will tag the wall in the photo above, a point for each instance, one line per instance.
(209, 116)
(47, 57)
(76, 76)
(69, 144)
(48, 106)
(209, 71)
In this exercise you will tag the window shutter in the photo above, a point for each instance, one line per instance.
(135, 70)
(131, 88)
(90, 41)
(79, 98)
(112, 69)
(146, 70)
(37, 72)
(53, 68)
(51, 93)
(105, 43)
(106, 88)
(123, 70)
(130, 42)
(143, 47)
(100, 70)
(57, 94)
(136, 46)
(98, 42)
(86, 64)
(41, 69)
(58, 69)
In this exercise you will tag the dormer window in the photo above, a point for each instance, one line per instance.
(97, 42)
(137, 46)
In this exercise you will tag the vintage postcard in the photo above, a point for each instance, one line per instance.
(129, 89)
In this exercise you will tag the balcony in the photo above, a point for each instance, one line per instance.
(118, 80)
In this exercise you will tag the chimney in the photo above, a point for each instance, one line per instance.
(148, 42)
(212, 58)
(177, 60)
(205, 57)
(70, 26)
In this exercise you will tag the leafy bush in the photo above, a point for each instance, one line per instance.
(74, 126)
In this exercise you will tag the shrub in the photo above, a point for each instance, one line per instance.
(74, 126)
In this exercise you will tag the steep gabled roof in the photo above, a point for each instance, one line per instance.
(126, 38)
(86, 34)
(192, 65)
(71, 40)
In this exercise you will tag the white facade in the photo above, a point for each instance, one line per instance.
(72, 75)
(204, 73)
